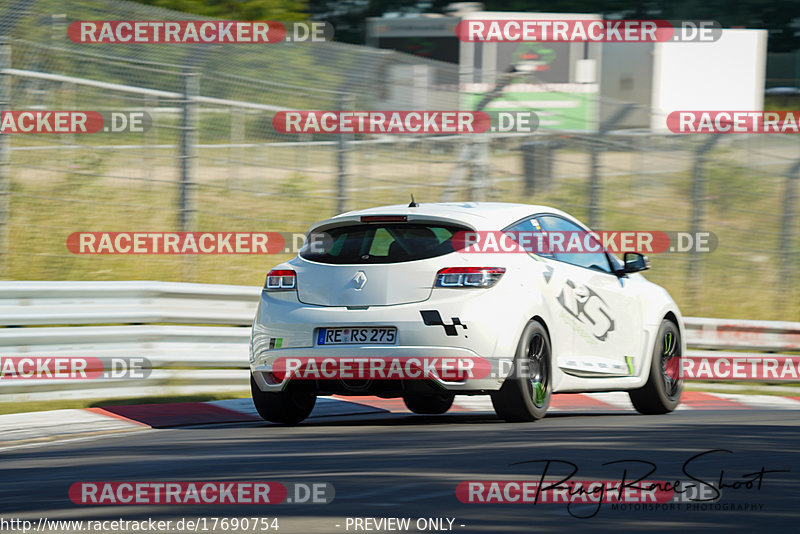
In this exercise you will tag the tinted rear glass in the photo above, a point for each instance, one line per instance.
(380, 243)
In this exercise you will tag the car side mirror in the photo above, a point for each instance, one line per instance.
(635, 262)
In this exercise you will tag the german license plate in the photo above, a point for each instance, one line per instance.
(378, 335)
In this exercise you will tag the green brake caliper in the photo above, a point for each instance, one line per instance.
(668, 342)
(538, 393)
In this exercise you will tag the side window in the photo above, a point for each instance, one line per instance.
(531, 229)
(583, 258)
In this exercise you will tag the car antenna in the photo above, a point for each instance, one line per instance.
(413, 204)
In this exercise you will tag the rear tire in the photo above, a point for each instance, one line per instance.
(662, 392)
(288, 407)
(525, 394)
(432, 404)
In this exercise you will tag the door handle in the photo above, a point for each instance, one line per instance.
(581, 292)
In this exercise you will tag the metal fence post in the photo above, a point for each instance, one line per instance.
(150, 137)
(5, 158)
(188, 147)
(236, 152)
(694, 271)
(786, 251)
(595, 187)
(479, 176)
(187, 157)
(342, 167)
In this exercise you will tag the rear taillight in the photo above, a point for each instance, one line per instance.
(281, 280)
(468, 276)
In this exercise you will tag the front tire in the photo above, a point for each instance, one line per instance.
(288, 407)
(525, 394)
(662, 392)
(428, 404)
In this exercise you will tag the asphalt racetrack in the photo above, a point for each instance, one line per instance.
(402, 465)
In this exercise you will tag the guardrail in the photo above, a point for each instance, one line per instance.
(196, 335)
(735, 334)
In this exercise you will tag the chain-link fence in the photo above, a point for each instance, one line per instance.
(213, 162)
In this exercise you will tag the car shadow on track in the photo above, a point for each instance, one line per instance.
(407, 419)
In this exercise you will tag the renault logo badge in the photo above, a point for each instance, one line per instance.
(360, 280)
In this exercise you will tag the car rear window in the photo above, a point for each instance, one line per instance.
(380, 243)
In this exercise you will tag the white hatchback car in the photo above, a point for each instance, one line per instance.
(389, 283)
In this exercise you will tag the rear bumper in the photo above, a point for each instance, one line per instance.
(473, 324)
